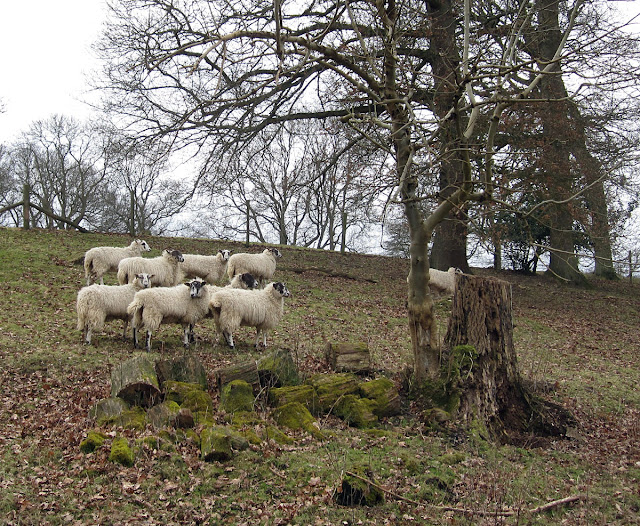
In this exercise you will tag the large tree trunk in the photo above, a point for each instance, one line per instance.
(450, 238)
(479, 357)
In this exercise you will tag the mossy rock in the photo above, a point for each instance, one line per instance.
(94, 441)
(305, 394)
(155, 442)
(385, 394)
(296, 416)
(177, 391)
(356, 411)
(359, 488)
(203, 419)
(237, 396)
(163, 415)
(278, 369)
(188, 435)
(108, 409)
(330, 388)
(121, 453)
(215, 445)
(275, 434)
(244, 418)
(198, 402)
(133, 418)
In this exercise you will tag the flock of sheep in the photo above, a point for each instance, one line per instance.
(151, 292)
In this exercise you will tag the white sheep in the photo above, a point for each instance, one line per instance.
(165, 268)
(184, 305)
(209, 268)
(443, 282)
(100, 260)
(97, 304)
(261, 309)
(262, 266)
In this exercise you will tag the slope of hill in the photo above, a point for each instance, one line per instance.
(577, 347)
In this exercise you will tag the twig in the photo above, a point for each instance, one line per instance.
(467, 511)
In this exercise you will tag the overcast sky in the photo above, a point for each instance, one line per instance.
(45, 57)
(45, 52)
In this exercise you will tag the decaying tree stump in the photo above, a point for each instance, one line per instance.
(247, 371)
(348, 357)
(135, 381)
(479, 351)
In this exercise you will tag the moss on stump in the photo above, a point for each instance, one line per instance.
(277, 369)
(237, 396)
(359, 488)
(108, 409)
(356, 411)
(330, 388)
(163, 415)
(305, 394)
(215, 445)
(94, 441)
(296, 416)
(121, 453)
(384, 392)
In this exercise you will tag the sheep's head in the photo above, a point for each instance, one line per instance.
(175, 254)
(144, 280)
(143, 244)
(249, 281)
(275, 252)
(196, 287)
(282, 289)
(225, 254)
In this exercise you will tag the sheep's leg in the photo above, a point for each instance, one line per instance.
(192, 334)
(135, 337)
(264, 338)
(87, 335)
(148, 343)
(186, 337)
(101, 280)
(228, 337)
(124, 329)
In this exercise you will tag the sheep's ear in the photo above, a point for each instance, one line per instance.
(152, 276)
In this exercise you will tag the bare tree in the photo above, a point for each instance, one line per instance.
(219, 75)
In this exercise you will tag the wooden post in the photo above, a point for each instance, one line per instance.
(25, 206)
(132, 214)
(343, 245)
(248, 219)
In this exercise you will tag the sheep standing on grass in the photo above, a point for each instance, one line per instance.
(165, 269)
(261, 266)
(184, 305)
(209, 268)
(262, 309)
(100, 260)
(99, 303)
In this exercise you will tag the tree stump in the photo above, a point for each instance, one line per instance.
(135, 381)
(348, 357)
(186, 369)
(247, 371)
(479, 349)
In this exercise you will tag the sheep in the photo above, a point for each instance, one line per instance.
(261, 266)
(209, 268)
(100, 260)
(178, 304)
(443, 282)
(165, 268)
(99, 303)
(261, 309)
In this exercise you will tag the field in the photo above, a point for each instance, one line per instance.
(579, 348)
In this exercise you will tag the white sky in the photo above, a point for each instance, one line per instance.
(45, 56)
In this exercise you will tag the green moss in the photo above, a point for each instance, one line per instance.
(331, 387)
(237, 396)
(177, 391)
(121, 453)
(163, 415)
(278, 369)
(134, 418)
(94, 441)
(305, 394)
(273, 433)
(356, 411)
(296, 416)
(215, 445)
(359, 488)
(444, 392)
(198, 402)
(385, 394)
(106, 410)
(450, 459)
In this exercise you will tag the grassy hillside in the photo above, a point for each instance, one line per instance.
(577, 347)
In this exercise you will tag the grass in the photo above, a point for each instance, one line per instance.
(577, 347)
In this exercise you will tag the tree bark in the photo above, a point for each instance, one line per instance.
(489, 384)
